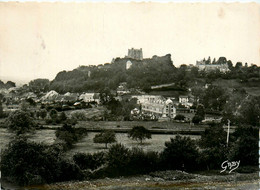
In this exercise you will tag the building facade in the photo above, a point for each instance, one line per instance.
(156, 107)
(90, 97)
(202, 66)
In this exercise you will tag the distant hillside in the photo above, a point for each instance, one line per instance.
(142, 74)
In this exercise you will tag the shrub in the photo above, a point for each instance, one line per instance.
(141, 162)
(117, 159)
(197, 119)
(179, 153)
(26, 162)
(89, 161)
(78, 116)
(179, 117)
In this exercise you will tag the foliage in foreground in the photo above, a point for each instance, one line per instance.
(179, 153)
(25, 162)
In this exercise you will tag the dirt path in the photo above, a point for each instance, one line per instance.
(172, 180)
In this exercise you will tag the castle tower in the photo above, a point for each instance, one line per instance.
(135, 53)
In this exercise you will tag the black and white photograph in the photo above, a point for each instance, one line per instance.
(129, 95)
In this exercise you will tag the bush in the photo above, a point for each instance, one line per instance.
(180, 153)
(141, 162)
(89, 161)
(78, 116)
(26, 162)
(117, 160)
(197, 119)
(179, 117)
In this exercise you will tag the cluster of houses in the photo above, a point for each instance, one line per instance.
(14, 100)
(154, 107)
(157, 107)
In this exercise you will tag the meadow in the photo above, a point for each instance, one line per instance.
(86, 145)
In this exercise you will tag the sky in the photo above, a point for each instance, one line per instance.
(38, 40)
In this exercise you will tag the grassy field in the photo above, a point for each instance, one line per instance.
(130, 124)
(86, 145)
(45, 136)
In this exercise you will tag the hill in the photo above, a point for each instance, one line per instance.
(142, 74)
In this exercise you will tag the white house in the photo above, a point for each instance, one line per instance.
(90, 97)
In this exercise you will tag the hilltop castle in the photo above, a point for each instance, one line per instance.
(135, 53)
(208, 66)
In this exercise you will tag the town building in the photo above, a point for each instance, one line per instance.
(90, 97)
(157, 107)
(186, 101)
(202, 66)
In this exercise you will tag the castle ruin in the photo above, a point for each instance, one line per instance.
(135, 53)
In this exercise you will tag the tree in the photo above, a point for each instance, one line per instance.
(238, 65)
(213, 146)
(70, 135)
(214, 98)
(9, 84)
(42, 113)
(106, 136)
(20, 122)
(179, 117)
(39, 85)
(54, 115)
(245, 147)
(62, 117)
(250, 111)
(200, 114)
(214, 61)
(139, 133)
(179, 153)
(230, 64)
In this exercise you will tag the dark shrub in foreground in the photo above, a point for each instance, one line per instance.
(89, 161)
(141, 162)
(245, 147)
(124, 161)
(26, 162)
(180, 153)
(118, 159)
(213, 147)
